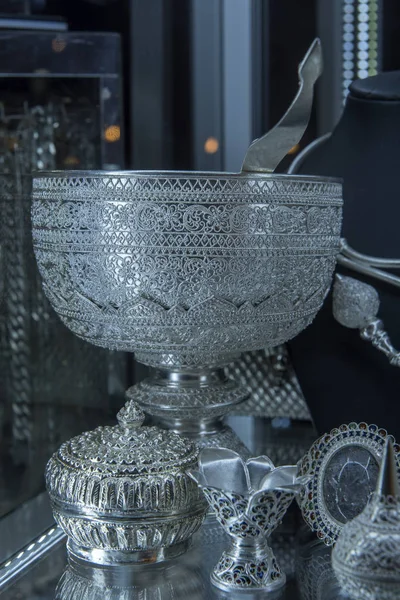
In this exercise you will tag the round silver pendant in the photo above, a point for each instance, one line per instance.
(343, 467)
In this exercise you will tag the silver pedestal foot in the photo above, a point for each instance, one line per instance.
(244, 568)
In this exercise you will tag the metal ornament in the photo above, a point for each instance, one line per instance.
(366, 558)
(356, 305)
(122, 494)
(250, 500)
(157, 263)
(343, 468)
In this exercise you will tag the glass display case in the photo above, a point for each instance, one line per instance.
(60, 106)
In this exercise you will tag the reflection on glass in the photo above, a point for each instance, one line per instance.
(172, 581)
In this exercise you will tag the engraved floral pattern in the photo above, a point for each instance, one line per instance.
(366, 558)
(242, 574)
(133, 482)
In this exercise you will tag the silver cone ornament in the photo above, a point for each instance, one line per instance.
(366, 558)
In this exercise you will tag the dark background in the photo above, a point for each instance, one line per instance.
(288, 28)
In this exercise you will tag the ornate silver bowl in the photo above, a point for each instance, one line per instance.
(187, 270)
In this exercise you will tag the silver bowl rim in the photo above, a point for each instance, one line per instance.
(69, 174)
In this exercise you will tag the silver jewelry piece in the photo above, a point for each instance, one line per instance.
(250, 500)
(122, 494)
(343, 468)
(356, 305)
(366, 558)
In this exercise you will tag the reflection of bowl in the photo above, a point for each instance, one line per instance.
(174, 581)
(186, 264)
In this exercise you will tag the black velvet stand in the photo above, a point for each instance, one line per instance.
(343, 377)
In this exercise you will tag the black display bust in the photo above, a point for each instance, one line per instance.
(344, 378)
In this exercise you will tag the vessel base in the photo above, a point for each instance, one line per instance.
(112, 558)
(248, 568)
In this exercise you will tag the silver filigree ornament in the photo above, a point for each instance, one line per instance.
(343, 468)
(366, 557)
(355, 305)
(250, 500)
(158, 264)
(122, 494)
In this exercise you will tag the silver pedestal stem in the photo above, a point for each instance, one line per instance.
(192, 401)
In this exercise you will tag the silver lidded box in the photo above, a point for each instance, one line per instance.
(122, 493)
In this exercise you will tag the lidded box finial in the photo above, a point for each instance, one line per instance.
(130, 417)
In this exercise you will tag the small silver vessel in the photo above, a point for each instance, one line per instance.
(122, 494)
